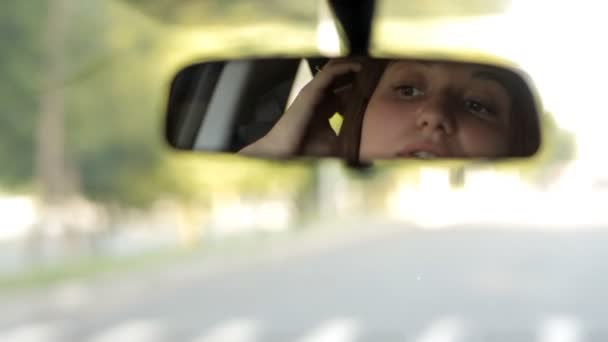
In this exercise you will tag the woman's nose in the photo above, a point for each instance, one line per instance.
(435, 119)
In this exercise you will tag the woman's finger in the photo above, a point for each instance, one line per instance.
(330, 71)
(324, 78)
(284, 138)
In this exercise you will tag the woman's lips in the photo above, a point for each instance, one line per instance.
(423, 151)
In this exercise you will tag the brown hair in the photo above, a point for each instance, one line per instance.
(320, 140)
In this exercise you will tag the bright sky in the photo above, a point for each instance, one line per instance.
(564, 50)
(566, 55)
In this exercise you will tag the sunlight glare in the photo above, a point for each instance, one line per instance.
(328, 39)
(18, 216)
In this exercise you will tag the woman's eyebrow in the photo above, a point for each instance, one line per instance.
(489, 75)
(407, 63)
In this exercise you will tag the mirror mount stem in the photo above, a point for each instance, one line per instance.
(355, 17)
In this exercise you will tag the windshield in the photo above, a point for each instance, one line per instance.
(107, 234)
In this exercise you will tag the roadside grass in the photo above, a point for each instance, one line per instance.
(102, 265)
(89, 266)
(98, 266)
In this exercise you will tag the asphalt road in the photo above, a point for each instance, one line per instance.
(380, 283)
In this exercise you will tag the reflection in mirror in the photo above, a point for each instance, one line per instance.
(359, 109)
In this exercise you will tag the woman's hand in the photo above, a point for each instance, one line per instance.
(285, 137)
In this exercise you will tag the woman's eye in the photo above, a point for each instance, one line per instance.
(408, 91)
(479, 109)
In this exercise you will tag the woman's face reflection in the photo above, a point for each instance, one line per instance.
(437, 109)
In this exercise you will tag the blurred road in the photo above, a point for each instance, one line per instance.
(380, 283)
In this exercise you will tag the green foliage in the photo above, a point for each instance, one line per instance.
(113, 128)
(214, 12)
(114, 88)
(21, 64)
(420, 9)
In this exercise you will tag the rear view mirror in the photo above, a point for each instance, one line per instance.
(357, 109)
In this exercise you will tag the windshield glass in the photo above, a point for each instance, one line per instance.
(107, 234)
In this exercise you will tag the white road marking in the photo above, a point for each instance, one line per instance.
(139, 330)
(235, 330)
(34, 332)
(443, 330)
(560, 329)
(335, 330)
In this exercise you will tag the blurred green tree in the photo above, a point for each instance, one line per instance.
(226, 12)
(86, 96)
(21, 24)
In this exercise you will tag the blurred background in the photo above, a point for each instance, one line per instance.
(91, 198)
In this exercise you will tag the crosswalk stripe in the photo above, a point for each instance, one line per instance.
(135, 330)
(560, 329)
(443, 330)
(34, 332)
(335, 330)
(235, 330)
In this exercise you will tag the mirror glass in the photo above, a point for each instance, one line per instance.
(357, 109)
